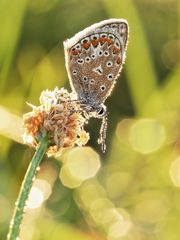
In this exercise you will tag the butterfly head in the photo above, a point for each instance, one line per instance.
(100, 111)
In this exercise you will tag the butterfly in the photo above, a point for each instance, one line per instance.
(94, 59)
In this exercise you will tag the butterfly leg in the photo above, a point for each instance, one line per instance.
(102, 137)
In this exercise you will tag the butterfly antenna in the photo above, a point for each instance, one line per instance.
(103, 130)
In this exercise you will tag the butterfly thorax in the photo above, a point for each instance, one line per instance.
(92, 108)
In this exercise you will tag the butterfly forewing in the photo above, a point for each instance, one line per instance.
(94, 59)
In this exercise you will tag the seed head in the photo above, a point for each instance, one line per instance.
(59, 116)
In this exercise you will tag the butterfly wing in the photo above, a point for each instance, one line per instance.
(94, 59)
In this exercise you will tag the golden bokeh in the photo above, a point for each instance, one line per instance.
(147, 135)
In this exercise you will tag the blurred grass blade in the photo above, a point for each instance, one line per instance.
(165, 98)
(10, 125)
(139, 66)
(11, 18)
(171, 89)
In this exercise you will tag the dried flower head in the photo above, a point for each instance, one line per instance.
(60, 117)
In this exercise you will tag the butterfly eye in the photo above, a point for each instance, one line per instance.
(101, 112)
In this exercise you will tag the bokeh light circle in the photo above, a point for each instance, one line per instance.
(100, 211)
(80, 164)
(147, 135)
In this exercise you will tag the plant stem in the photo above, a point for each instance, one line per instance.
(15, 223)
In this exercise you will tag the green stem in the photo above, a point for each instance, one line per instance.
(15, 223)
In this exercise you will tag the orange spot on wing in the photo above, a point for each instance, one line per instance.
(116, 50)
(109, 41)
(74, 51)
(86, 45)
(119, 61)
(102, 40)
(94, 42)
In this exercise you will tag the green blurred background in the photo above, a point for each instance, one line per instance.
(132, 191)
